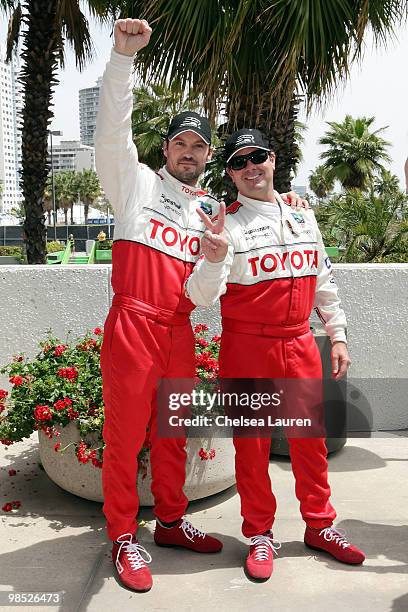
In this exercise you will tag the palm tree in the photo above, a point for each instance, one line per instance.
(386, 183)
(88, 189)
(370, 226)
(321, 182)
(46, 25)
(66, 192)
(354, 153)
(252, 60)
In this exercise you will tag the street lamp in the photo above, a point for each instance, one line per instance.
(54, 210)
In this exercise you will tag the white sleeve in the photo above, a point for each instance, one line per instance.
(208, 281)
(327, 303)
(125, 181)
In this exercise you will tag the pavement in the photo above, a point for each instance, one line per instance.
(56, 542)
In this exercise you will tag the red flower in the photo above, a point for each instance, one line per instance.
(206, 361)
(82, 454)
(57, 446)
(70, 373)
(202, 342)
(60, 405)
(6, 442)
(48, 430)
(215, 338)
(68, 401)
(3, 394)
(16, 380)
(8, 507)
(200, 328)
(2, 407)
(12, 472)
(97, 463)
(42, 413)
(212, 453)
(87, 345)
(18, 358)
(60, 349)
(202, 454)
(72, 414)
(97, 331)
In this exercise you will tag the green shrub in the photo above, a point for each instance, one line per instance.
(16, 251)
(105, 245)
(54, 246)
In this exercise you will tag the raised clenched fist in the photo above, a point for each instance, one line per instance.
(131, 35)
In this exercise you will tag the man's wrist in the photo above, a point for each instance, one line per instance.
(124, 54)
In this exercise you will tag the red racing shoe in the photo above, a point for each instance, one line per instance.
(334, 542)
(127, 555)
(259, 562)
(183, 534)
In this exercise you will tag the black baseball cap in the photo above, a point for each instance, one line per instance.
(244, 138)
(190, 122)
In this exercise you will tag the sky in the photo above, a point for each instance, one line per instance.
(377, 87)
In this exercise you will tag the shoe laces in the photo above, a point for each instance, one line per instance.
(134, 552)
(263, 544)
(331, 534)
(190, 531)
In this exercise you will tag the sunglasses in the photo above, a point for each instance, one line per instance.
(240, 161)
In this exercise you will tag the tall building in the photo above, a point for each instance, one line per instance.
(88, 108)
(11, 102)
(71, 155)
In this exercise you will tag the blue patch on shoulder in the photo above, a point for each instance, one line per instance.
(298, 217)
(206, 207)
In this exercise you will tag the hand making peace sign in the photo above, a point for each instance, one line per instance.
(214, 243)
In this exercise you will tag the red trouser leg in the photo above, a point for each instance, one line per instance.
(168, 455)
(135, 354)
(258, 503)
(250, 356)
(309, 455)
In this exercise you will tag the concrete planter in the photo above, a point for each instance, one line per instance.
(203, 478)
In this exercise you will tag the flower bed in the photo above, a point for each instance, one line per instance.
(59, 393)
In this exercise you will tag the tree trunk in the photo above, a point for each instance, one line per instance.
(38, 77)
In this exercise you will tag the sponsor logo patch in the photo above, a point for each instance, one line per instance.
(206, 207)
(191, 122)
(245, 139)
(298, 217)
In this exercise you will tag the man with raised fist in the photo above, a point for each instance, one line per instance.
(148, 334)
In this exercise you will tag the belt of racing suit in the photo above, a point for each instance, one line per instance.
(261, 329)
(160, 315)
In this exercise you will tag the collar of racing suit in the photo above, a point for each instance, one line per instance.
(261, 206)
(183, 189)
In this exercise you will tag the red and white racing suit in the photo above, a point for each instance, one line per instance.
(148, 333)
(275, 272)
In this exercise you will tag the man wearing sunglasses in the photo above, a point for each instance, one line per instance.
(270, 268)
